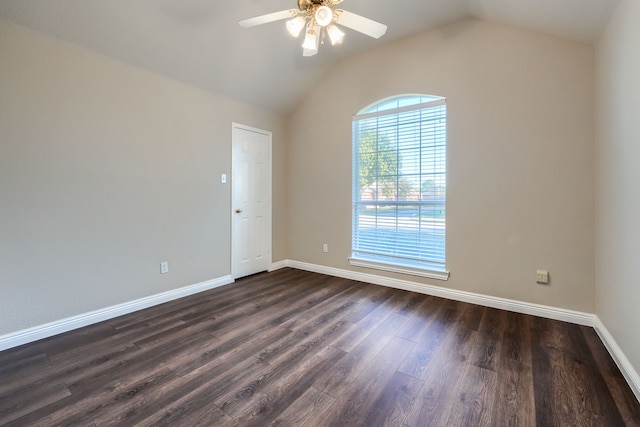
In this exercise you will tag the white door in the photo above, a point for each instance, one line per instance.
(251, 201)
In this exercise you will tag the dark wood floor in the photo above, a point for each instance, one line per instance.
(293, 348)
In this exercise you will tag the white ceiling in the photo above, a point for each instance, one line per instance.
(200, 43)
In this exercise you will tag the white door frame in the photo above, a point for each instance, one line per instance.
(268, 215)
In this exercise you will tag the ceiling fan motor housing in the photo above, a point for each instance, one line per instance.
(306, 4)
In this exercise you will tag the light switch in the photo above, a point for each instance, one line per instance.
(223, 178)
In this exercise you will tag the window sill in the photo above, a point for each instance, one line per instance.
(431, 274)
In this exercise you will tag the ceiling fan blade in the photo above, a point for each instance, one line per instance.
(361, 24)
(265, 19)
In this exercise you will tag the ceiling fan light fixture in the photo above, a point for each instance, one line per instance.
(309, 52)
(322, 20)
(324, 16)
(295, 25)
(310, 40)
(335, 34)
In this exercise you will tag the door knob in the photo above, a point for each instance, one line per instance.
(239, 210)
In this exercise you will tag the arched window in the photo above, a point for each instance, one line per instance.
(399, 186)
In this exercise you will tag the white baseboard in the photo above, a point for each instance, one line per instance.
(576, 317)
(278, 265)
(54, 328)
(555, 313)
(630, 374)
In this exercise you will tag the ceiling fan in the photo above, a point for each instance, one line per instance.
(320, 18)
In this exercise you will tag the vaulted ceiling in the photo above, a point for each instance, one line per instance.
(200, 43)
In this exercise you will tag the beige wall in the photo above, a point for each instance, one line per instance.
(105, 171)
(521, 157)
(618, 179)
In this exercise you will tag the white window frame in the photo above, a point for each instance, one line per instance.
(378, 239)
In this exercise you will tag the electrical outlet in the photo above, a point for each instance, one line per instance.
(542, 277)
(164, 267)
(325, 248)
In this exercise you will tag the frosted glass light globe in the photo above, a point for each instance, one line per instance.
(324, 16)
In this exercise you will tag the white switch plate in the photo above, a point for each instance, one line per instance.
(164, 267)
(542, 277)
(223, 178)
(325, 248)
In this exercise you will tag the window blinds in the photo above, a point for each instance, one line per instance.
(399, 185)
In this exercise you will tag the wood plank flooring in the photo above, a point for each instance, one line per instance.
(293, 348)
